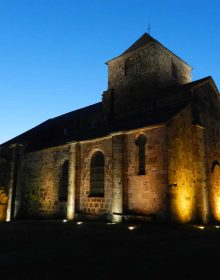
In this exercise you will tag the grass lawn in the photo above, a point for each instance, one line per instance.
(101, 251)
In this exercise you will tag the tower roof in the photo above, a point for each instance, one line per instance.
(145, 39)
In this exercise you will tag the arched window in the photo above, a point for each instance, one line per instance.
(63, 190)
(97, 174)
(4, 173)
(129, 67)
(140, 142)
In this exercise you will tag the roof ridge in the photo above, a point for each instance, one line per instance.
(144, 40)
(78, 110)
(141, 41)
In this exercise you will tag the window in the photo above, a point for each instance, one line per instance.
(129, 67)
(174, 70)
(4, 173)
(3, 203)
(140, 142)
(97, 174)
(63, 190)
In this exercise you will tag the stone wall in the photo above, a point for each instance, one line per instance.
(165, 76)
(86, 204)
(146, 194)
(182, 195)
(194, 157)
(40, 183)
(126, 192)
(207, 111)
(145, 68)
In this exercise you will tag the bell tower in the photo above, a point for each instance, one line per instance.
(137, 74)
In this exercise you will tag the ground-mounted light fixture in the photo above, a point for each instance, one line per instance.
(131, 227)
(199, 227)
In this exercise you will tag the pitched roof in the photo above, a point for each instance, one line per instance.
(202, 81)
(51, 133)
(144, 40)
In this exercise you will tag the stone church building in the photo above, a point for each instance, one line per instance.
(150, 150)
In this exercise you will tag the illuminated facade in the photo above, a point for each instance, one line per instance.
(149, 150)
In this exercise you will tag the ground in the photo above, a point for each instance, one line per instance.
(100, 251)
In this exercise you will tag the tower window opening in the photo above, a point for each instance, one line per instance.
(63, 190)
(140, 142)
(129, 67)
(174, 70)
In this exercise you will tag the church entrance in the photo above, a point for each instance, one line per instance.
(215, 191)
(4, 182)
(3, 204)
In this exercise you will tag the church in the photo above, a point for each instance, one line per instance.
(149, 150)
